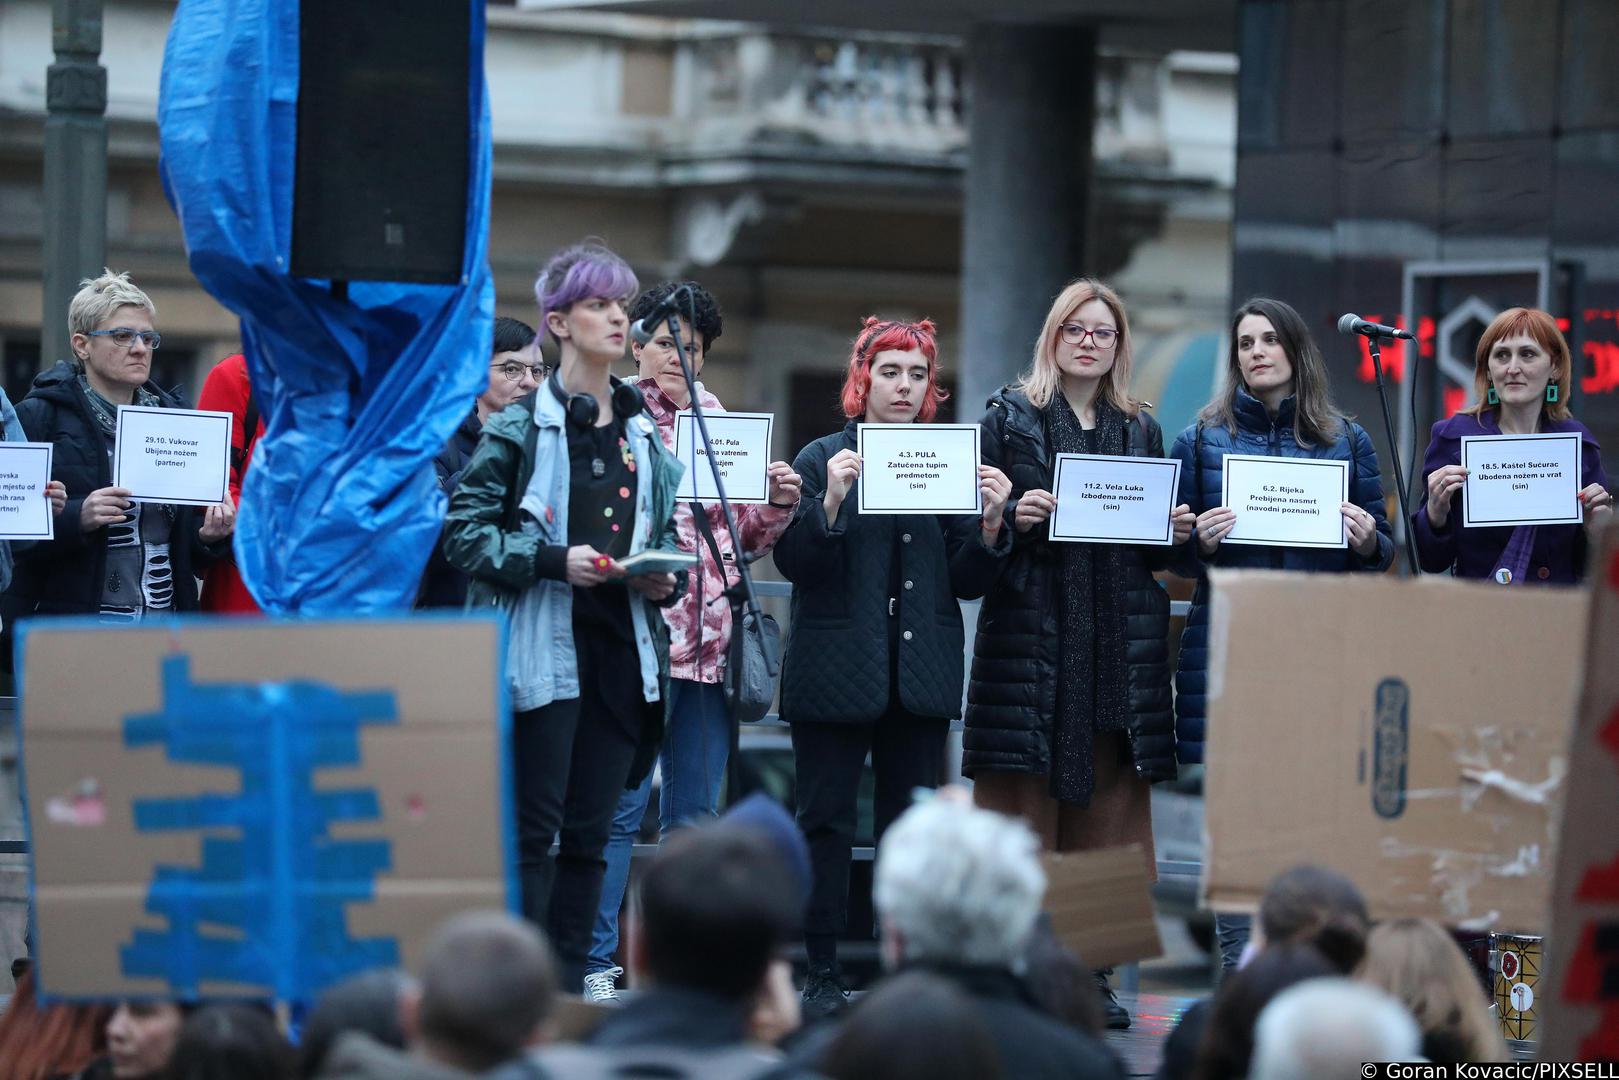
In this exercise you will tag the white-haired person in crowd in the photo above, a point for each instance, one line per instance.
(957, 892)
(1325, 1029)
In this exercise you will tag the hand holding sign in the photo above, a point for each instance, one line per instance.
(219, 522)
(994, 489)
(785, 485)
(1598, 503)
(1443, 484)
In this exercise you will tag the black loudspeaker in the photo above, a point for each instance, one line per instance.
(380, 190)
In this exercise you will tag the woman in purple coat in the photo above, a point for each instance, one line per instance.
(1521, 378)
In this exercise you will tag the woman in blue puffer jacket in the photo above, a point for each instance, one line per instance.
(1274, 401)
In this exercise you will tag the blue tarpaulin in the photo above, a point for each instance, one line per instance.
(340, 508)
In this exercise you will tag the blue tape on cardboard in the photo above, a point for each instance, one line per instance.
(266, 907)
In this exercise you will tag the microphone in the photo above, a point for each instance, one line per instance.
(1354, 324)
(644, 330)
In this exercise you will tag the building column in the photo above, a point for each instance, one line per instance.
(75, 166)
(1028, 176)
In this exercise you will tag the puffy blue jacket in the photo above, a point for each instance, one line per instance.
(1200, 449)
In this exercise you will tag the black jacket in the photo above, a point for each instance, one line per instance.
(1012, 697)
(63, 576)
(838, 662)
(1033, 1044)
(443, 586)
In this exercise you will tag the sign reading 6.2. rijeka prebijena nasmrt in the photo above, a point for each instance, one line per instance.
(172, 455)
(1521, 479)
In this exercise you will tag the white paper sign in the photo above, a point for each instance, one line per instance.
(1115, 500)
(25, 512)
(1521, 480)
(918, 468)
(741, 444)
(1286, 502)
(177, 456)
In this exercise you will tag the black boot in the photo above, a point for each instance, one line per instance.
(824, 993)
(1114, 1016)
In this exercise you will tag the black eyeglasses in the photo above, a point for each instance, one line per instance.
(124, 337)
(1074, 334)
(514, 369)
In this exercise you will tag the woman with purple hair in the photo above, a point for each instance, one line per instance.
(563, 485)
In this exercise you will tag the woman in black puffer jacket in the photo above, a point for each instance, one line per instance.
(1069, 712)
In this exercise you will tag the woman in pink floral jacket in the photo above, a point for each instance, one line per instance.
(698, 728)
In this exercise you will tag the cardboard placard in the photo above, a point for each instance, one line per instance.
(919, 468)
(1521, 480)
(1411, 735)
(1103, 498)
(1100, 903)
(257, 808)
(741, 447)
(179, 456)
(25, 512)
(1579, 989)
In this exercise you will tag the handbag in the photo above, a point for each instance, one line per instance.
(750, 676)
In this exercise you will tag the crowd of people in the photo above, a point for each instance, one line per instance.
(562, 471)
(973, 986)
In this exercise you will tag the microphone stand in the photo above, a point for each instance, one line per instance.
(744, 588)
(1394, 447)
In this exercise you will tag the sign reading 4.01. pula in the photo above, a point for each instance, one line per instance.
(919, 468)
(741, 444)
(1521, 480)
(179, 456)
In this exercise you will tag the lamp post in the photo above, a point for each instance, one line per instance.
(75, 166)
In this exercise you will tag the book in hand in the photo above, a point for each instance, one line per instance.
(658, 562)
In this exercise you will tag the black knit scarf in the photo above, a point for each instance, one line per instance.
(1092, 685)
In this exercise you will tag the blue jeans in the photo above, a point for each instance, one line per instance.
(692, 765)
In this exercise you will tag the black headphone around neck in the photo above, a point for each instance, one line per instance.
(582, 410)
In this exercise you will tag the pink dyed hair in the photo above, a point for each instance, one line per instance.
(881, 335)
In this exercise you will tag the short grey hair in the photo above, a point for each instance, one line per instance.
(959, 884)
(1325, 1028)
(98, 298)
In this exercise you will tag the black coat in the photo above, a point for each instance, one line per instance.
(443, 586)
(1012, 697)
(838, 661)
(63, 576)
(1033, 1044)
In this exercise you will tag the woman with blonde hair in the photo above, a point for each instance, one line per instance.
(1521, 379)
(1417, 962)
(1069, 713)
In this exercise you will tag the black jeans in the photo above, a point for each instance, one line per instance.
(907, 752)
(570, 761)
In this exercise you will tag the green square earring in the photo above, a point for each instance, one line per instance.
(1551, 393)
(1491, 397)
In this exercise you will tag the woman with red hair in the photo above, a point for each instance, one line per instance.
(1521, 378)
(38, 1042)
(874, 659)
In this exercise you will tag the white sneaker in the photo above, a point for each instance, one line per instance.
(600, 986)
